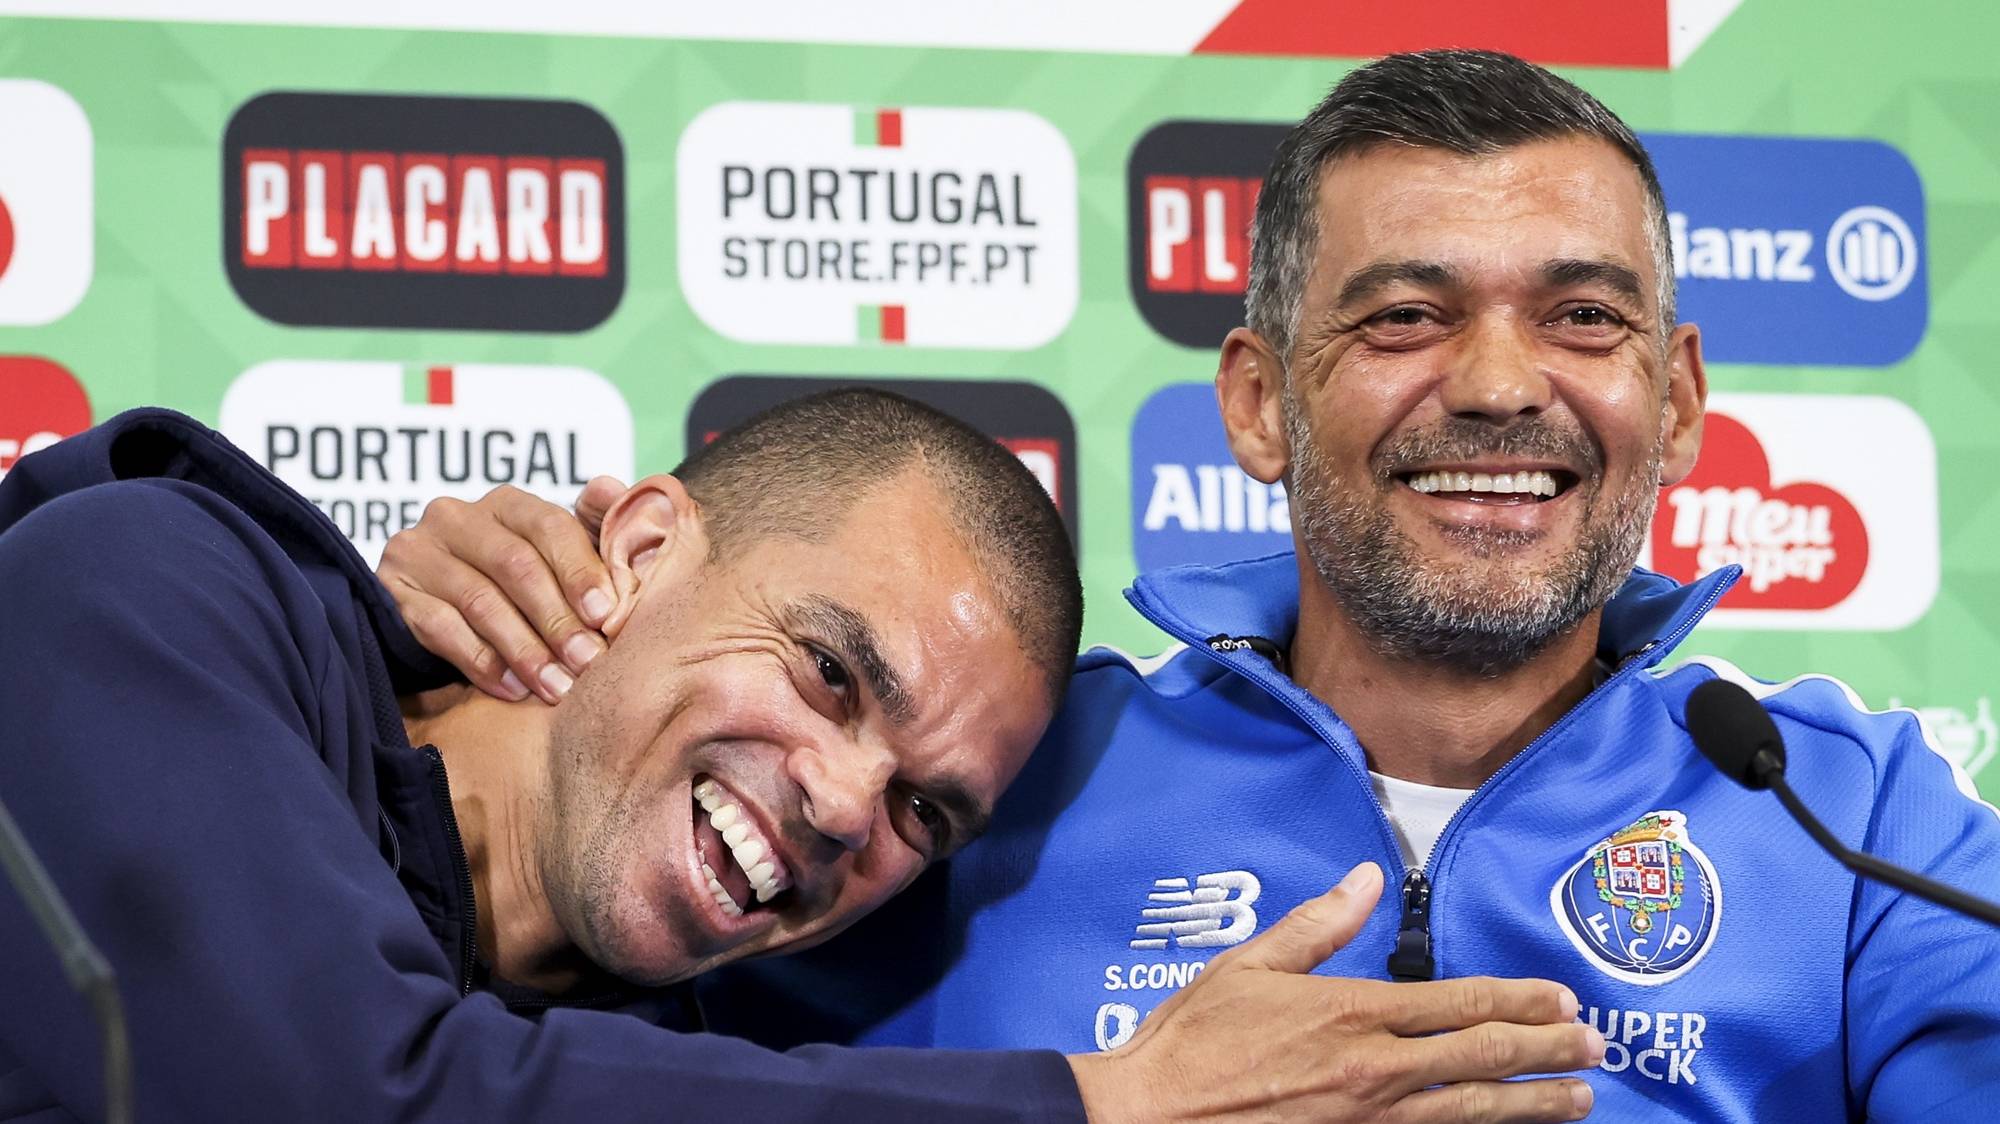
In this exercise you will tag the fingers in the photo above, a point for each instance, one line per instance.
(482, 608)
(568, 553)
(442, 630)
(1492, 1051)
(597, 498)
(1426, 1008)
(1497, 1102)
(1305, 937)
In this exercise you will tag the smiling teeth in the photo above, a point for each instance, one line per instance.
(1529, 483)
(722, 897)
(747, 848)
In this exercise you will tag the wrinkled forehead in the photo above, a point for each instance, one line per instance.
(1578, 198)
(909, 606)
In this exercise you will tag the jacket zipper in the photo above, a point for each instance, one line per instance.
(1412, 959)
(468, 929)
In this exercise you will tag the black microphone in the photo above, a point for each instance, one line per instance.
(1734, 731)
(86, 967)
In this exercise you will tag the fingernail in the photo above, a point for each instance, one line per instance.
(1568, 1004)
(512, 685)
(556, 680)
(1358, 877)
(580, 649)
(596, 606)
(1581, 1098)
(1595, 1038)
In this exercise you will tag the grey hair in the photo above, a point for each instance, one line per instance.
(1474, 103)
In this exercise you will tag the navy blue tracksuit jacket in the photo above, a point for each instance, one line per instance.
(199, 733)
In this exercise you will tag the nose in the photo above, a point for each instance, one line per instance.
(1495, 373)
(843, 787)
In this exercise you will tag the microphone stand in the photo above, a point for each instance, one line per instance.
(1868, 866)
(86, 967)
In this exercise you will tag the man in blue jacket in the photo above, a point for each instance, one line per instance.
(1463, 360)
(335, 885)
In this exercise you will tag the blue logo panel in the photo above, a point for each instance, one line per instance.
(1792, 250)
(1190, 503)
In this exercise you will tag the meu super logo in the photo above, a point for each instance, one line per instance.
(828, 224)
(1828, 502)
(424, 212)
(1796, 250)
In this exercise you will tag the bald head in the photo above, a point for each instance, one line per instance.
(797, 469)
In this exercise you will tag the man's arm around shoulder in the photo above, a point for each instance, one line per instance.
(158, 714)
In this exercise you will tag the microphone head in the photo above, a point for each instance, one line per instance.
(1734, 731)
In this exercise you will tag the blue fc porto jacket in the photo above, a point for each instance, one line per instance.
(1182, 804)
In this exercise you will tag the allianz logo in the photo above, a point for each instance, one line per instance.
(1870, 253)
(1215, 497)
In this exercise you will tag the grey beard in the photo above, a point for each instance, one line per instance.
(1474, 620)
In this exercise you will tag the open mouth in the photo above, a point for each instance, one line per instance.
(744, 871)
(1528, 487)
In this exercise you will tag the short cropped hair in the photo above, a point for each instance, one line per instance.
(1473, 103)
(798, 468)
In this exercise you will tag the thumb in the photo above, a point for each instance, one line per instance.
(597, 498)
(1305, 937)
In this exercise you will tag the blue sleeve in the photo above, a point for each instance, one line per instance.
(160, 687)
(1923, 983)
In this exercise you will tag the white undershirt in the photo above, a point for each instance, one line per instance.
(1418, 812)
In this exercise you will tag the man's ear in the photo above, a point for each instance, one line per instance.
(654, 523)
(1249, 387)
(1687, 404)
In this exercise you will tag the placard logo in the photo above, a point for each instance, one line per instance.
(1191, 192)
(46, 247)
(1028, 420)
(371, 443)
(826, 224)
(1190, 503)
(1796, 250)
(1826, 538)
(40, 404)
(379, 211)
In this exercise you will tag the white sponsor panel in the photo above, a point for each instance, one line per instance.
(46, 246)
(1841, 532)
(958, 226)
(371, 443)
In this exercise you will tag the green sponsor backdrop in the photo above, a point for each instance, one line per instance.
(160, 323)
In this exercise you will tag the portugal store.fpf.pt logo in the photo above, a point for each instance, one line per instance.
(1828, 502)
(46, 243)
(826, 224)
(371, 443)
(424, 212)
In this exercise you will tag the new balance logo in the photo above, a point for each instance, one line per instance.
(1215, 913)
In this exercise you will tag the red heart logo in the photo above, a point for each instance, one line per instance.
(1802, 546)
(6, 237)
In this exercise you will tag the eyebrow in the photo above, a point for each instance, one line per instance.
(850, 634)
(1567, 272)
(969, 817)
(1372, 279)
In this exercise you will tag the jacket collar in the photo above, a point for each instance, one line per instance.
(1645, 619)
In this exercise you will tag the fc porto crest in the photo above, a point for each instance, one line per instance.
(1642, 905)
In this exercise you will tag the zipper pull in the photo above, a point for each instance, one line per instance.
(1411, 962)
